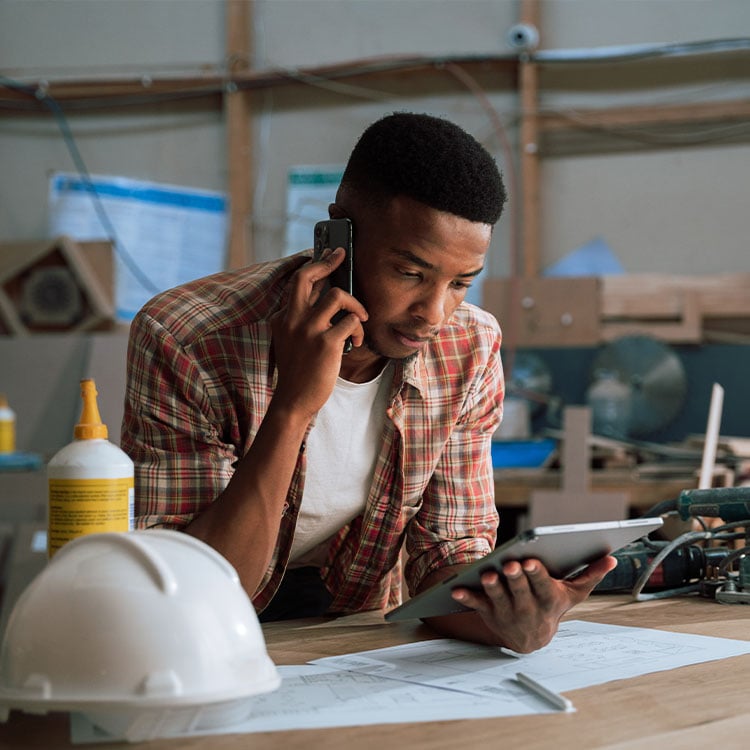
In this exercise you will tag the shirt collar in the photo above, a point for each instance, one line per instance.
(413, 372)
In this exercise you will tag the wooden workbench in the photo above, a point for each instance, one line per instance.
(513, 487)
(695, 706)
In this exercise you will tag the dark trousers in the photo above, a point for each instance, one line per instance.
(302, 594)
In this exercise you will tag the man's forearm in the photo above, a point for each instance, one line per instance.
(243, 522)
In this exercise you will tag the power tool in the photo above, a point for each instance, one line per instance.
(686, 565)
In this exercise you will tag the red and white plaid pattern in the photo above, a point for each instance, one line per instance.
(199, 382)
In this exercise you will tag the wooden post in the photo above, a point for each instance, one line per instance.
(574, 502)
(237, 116)
(529, 158)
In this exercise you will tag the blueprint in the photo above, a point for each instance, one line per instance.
(445, 679)
(580, 655)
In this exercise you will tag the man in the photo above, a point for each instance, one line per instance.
(308, 468)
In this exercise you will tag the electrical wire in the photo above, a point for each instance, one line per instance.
(338, 87)
(630, 52)
(82, 169)
(680, 541)
(731, 557)
(473, 86)
(662, 508)
(715, 534)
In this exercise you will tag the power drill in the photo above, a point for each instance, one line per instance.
(682, 566)
(728, 503)
(692, 563)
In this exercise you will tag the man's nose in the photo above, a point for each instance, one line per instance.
(431, 306)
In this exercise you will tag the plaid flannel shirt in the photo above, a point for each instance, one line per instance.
(199, 382)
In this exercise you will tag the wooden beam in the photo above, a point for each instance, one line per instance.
(143, 88)
(83, 94)
(238, 116)
(614, 117)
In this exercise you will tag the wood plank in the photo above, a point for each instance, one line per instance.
(585, 311)
(513, 487)
(575, 502)
(686, 329)
(662, 295)
(613, 117)
(545, 311)
(142, 88)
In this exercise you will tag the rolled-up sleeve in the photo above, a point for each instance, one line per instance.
(170, 430)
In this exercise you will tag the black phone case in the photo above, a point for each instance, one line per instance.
(335, 233)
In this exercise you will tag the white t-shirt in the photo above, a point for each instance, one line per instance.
(342, 448)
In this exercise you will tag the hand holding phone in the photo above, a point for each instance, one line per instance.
(331, 234)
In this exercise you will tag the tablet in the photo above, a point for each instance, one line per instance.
(565, 550)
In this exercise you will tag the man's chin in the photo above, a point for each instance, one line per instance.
(378, 351)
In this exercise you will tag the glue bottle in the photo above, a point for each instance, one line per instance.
(7, 426)
(91, 481)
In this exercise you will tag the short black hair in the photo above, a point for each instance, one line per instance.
(430, 160)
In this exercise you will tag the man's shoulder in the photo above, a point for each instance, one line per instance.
(470, 316)
(470, 326)
(468, 343)
(222, 300)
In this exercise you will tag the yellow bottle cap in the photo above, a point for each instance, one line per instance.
(90, 426)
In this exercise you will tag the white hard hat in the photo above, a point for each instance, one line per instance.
(148, 633)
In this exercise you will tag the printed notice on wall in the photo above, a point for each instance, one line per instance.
(163, 235)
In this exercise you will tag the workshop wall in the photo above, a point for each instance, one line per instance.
(675, 206)
(665, 200)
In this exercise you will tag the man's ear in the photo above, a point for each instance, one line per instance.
(335, 211)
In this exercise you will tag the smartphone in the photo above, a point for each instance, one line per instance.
(564, 549)
(335, 233)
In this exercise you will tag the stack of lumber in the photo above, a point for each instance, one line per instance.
(590, 310)
(678, 309)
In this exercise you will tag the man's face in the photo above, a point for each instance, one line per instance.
(412, 266)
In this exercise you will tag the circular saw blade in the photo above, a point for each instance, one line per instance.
(655, 376)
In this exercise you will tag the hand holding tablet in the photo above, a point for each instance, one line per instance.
(564, 550)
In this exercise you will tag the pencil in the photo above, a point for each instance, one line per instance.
(557, 700)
